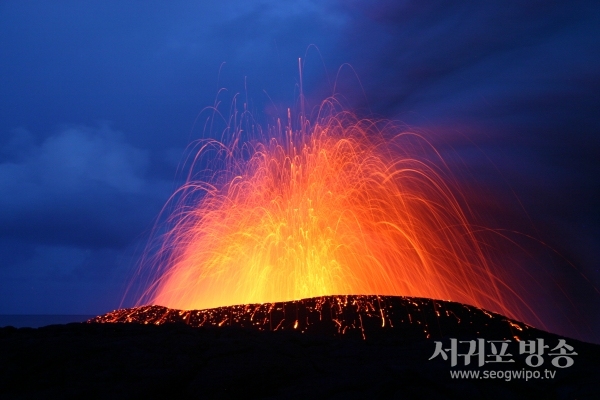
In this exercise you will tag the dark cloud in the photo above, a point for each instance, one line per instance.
(73, 208)
(518, 81)
(83, 186)
(447, 57)
(150, 71)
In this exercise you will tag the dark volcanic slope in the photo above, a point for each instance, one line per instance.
(353, 316)
(309, 349)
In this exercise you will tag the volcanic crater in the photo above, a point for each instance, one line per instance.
(366, 317)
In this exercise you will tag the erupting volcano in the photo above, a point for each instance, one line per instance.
(339, 206)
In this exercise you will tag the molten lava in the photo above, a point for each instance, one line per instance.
(364, 317)
(341, 206)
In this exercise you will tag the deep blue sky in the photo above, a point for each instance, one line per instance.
(98, 101)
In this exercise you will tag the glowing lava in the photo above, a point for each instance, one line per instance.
(366, 317)
(341, 206)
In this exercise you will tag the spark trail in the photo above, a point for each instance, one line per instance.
(340, 206)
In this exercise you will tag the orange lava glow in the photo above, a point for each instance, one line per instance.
(339, 206)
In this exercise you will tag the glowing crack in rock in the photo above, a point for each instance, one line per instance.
(362, 317)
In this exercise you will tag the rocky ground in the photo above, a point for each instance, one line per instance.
(176, 360)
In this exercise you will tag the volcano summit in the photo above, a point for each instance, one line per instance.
(364, 317)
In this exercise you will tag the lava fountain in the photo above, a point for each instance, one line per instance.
(339, 206)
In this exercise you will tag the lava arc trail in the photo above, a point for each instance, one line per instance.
(339, 206)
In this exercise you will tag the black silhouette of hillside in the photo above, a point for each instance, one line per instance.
(335, 347)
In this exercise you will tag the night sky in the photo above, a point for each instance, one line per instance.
(98, 101)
